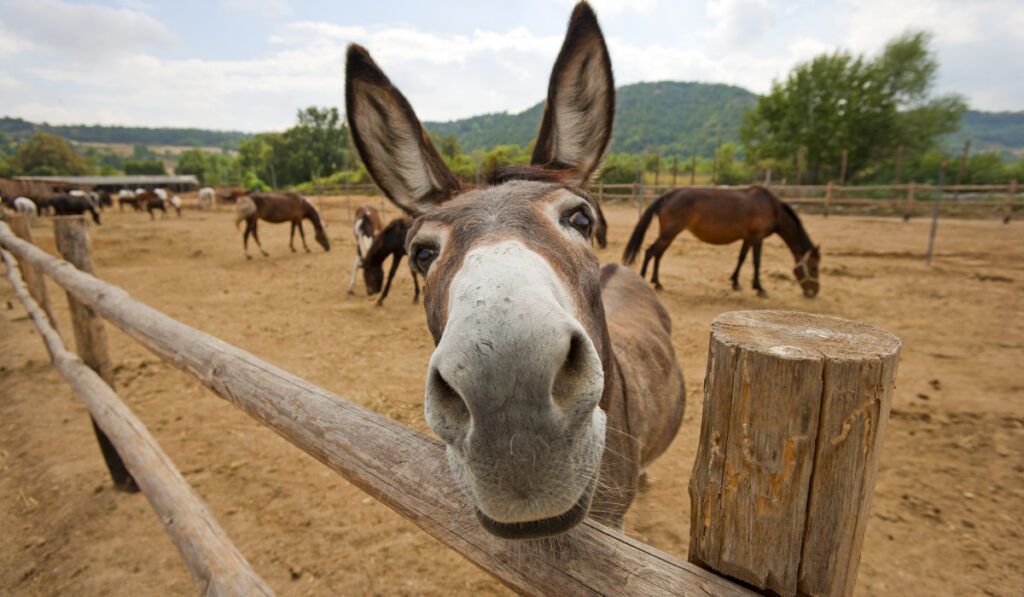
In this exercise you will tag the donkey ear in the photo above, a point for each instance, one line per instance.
(577, 124)
(392, 143)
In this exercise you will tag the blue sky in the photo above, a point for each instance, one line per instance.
(250, 65)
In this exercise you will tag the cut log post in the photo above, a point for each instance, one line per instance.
(90, 335)
(34, 279)
(795, 410)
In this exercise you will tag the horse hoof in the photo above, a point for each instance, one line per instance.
(351, 292)
(762, 294)
(248, 256)
(735, 286)
(659, 287)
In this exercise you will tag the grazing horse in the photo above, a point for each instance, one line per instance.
(175, 202)
(553, 381)
(205, 198)
(26, 207)
(366, 228)
(66, 205)
(127, 197)
(721, 216)
(154, 204)
(276, 208)
(390, 242)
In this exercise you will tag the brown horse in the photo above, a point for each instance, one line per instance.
(390, 242)
(277, 208)
(720, 216)
(553, 382)
(366, 229)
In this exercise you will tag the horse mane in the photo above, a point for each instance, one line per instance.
(788, 210)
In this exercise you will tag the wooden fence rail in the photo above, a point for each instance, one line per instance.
(399, 466)
(216, 566)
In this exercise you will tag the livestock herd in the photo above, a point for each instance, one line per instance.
(554, 382)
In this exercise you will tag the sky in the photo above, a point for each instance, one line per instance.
(250, 65)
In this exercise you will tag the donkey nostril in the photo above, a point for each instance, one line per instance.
(572, 369)
(446, 399)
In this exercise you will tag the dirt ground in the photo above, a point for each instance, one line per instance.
(948, 511)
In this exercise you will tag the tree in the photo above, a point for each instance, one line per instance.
(194, 162)
(46, 155)
(869, 107)
(137, 167)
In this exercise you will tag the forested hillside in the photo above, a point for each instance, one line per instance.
(19, 130)
(1000, 131)
(667, 117)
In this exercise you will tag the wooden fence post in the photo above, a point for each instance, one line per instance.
(842, 170)
(908, 211)
(935, 214)
(828, 197)
(1010, 196)
(795, 411)
(90, 335)
(34, 279)
(960, 171)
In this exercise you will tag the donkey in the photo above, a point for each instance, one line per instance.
(553, 382)
(366, 229)
(277, 208)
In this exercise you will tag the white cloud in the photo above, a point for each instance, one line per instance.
(740, 22)
(612, 7)
(81, 31)
(263, 8)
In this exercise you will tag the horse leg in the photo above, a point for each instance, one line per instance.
(736, 274)
(656, 250)
(391, 276)
(245, 240)
(416, 285)
(291, 238)
(256, 237)
(355, 270)
(757, 270)
(302, 235)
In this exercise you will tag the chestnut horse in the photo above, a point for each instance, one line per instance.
(277, 208)
(366, 228)
(720, 216)
(390, 242)
(553, 381)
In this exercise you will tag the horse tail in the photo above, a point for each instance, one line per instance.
(245, 208)
(637, 238)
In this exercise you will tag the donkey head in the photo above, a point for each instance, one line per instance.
(512, 290)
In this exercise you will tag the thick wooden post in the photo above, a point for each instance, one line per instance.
(1010, 196)
(909, 210)
(34, 279)
(795, 410)
(828, 198)
(90, 335)
(842, 169)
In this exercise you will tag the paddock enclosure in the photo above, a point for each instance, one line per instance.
(949, 500)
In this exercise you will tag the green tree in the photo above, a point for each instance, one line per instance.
(46, 155)
(869, 107)
(144, 167)
(194, 162)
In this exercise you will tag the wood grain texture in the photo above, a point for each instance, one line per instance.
(34, 279)
(216, 566)
(404, 469)
(794, 417)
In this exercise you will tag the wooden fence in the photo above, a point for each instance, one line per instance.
(899, 198)
(787, 515)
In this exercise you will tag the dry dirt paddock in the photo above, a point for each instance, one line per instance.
(948, 508)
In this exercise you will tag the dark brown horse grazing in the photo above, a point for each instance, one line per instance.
(65, 205)
(277, 208)
(553, 382)
(721, 216)
(390, 241)
(365, 229)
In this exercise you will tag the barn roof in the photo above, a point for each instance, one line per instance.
(115, 180)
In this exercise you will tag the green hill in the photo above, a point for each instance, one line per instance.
(989, 131)
(668, 117)
(19, 130)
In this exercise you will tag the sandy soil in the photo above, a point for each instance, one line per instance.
(948, 508)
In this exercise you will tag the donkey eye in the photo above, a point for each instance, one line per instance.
(581, 220)
(423, 257)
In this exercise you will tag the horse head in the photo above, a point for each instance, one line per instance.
(513, 292)
(806, 272)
